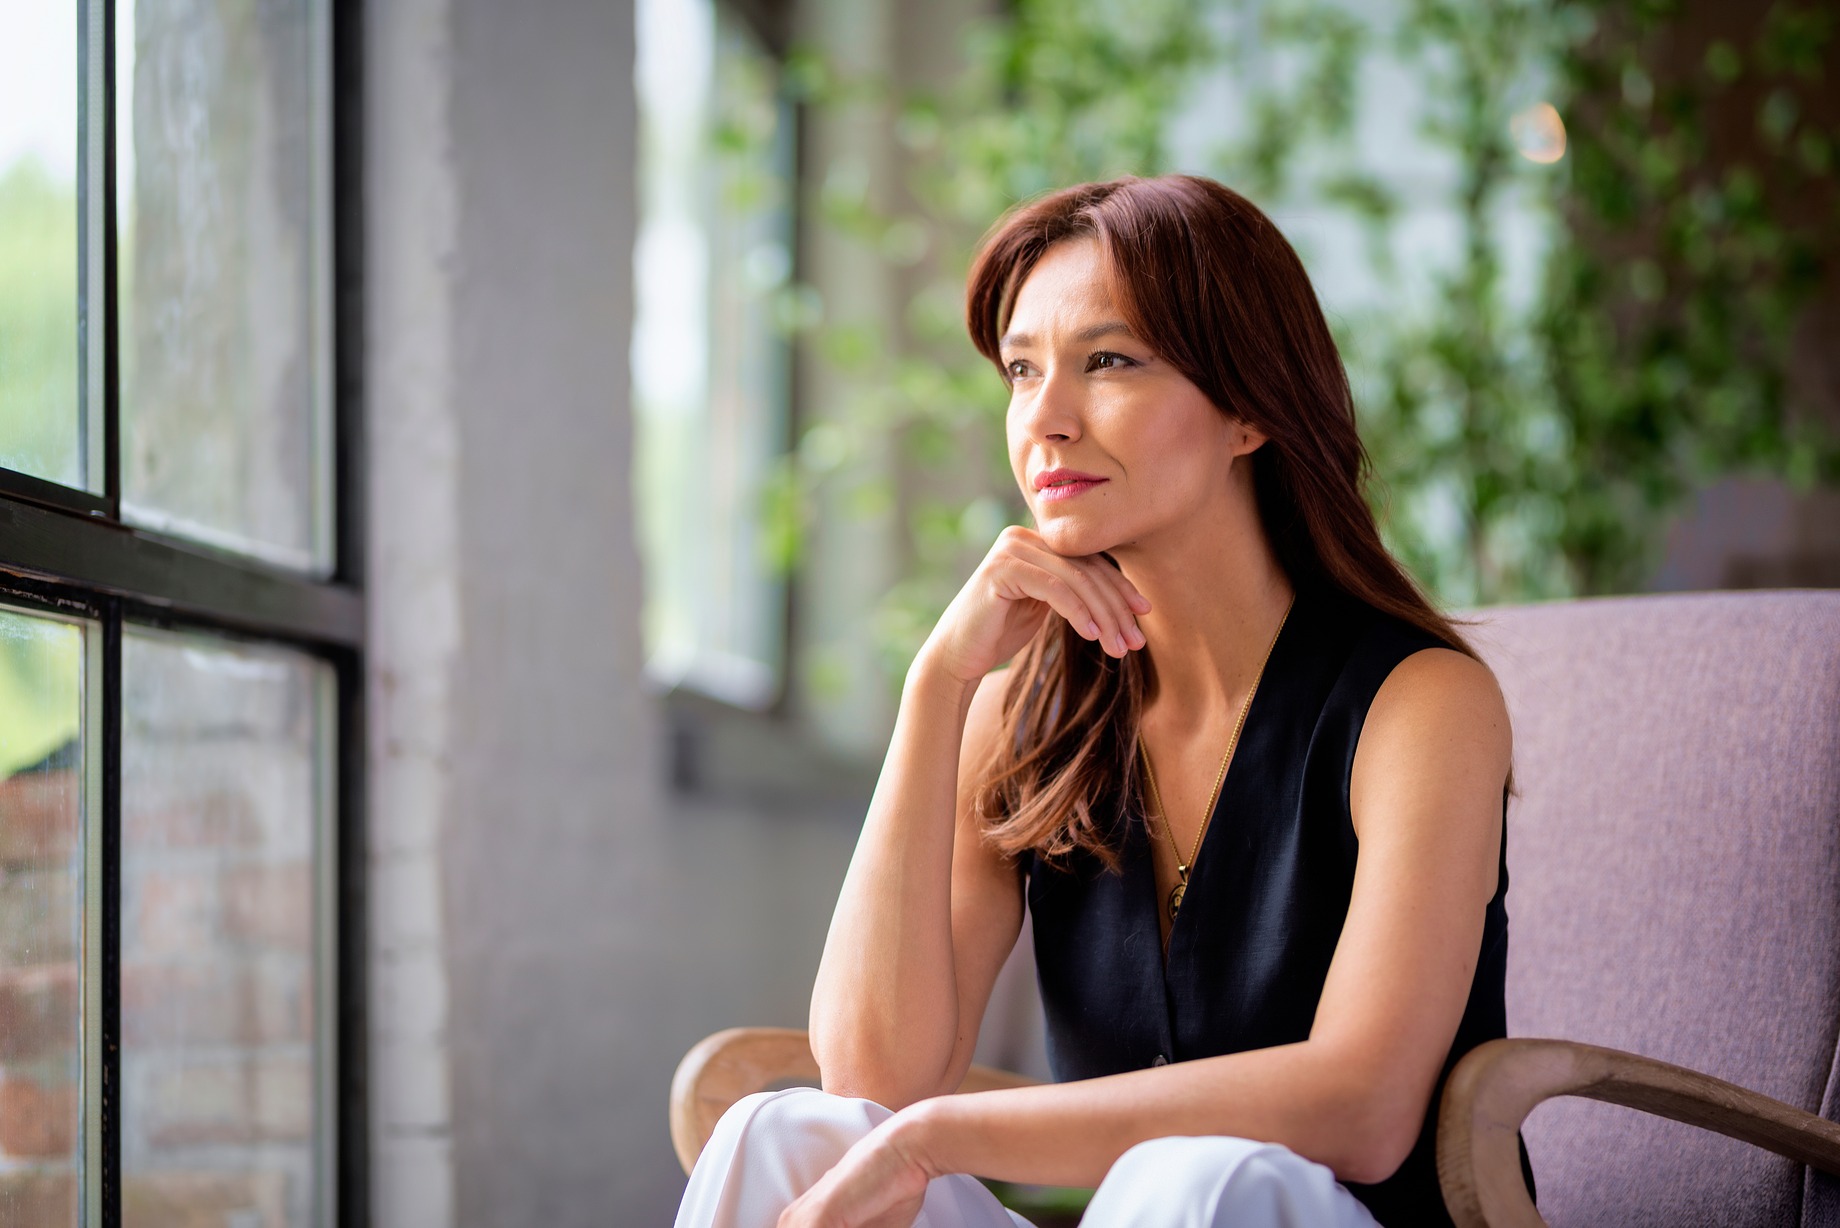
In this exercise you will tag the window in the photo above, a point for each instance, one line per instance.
(181, 624)
(710, 358)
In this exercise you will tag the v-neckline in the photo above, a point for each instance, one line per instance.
(1141, 829)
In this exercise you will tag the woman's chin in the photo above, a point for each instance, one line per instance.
(1071, 538)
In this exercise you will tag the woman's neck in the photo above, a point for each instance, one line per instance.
(1217, 595)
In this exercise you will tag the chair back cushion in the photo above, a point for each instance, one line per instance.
(1674, 860)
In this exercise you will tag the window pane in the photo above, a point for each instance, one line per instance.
(41, 912)
(40, 424)
(710, 363)
(220, 243)
(222, 810)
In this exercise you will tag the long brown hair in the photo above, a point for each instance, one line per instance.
(1207, 281)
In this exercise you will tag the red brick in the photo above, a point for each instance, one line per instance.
(168, 1199)
(175, 913)
(283, 1094)
(37, 1122)
(258, 1099)
(230, 1001)
(220, 818)
(41, 817)
(47, 1199)
(164, 1004)
(38, 1012)
(38, 916)
(196, 1103)
(281, 1001)
(270, 904)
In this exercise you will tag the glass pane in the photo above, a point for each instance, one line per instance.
(222, 806)
(40, 423)
(41, 916)
(220, 236)
(709, 356)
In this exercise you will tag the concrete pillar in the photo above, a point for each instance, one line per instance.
(514, 814)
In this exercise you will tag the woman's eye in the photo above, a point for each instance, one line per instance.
(1105, 360)
(1016, 369)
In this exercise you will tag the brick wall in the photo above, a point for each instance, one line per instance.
(40, 1062)
(219, 800)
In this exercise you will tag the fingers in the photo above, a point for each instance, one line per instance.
(1087, 594)
(1056, 588)
(1138, 602)
(1028, 543)
(1119, 632)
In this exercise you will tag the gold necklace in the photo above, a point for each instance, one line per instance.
(1181, 888)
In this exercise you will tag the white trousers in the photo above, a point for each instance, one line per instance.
(772, 1146)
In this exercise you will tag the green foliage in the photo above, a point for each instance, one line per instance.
(1666, 320)
(40, 688)
(38, 323)
(1449, 388)
(1534, 423)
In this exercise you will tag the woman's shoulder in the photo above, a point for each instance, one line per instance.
(1418, 684)
(1386, 652)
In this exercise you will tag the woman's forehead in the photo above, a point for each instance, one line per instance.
(1069, 287)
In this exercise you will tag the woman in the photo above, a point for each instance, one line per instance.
(1250, 784)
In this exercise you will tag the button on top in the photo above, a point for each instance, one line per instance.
(1160, 1061)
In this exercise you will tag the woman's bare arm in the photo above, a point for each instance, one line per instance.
(927, 913)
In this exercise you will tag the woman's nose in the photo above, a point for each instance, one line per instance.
(1055, 410)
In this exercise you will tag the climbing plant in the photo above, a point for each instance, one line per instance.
(1698, 216)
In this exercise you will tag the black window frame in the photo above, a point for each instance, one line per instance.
(67, 551)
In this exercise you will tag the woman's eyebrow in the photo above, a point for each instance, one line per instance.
(1090, 333)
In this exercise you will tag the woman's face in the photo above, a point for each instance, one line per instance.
(1109, 443)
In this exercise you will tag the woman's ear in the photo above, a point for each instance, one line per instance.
(1246, 439)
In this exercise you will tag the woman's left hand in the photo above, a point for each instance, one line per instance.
(879, 1183)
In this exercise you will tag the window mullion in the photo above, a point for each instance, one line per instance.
(96, 252)
(101, 980)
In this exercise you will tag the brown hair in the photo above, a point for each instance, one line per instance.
(1208, 281)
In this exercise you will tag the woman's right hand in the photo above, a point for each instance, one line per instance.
(1020, 583)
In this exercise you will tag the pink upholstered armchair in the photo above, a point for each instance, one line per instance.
(1674, 854)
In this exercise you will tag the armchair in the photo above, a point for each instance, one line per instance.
(1674, 853)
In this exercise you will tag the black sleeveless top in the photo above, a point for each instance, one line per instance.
(1266, 898)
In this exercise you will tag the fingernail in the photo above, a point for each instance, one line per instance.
(1092, 629)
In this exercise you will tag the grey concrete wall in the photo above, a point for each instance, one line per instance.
(550, 928)
(550, 840)
(414, 601)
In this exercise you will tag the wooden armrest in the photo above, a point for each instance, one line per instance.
(723, 1068)
(1497, 1084)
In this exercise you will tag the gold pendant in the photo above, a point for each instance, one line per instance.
(1175, 898)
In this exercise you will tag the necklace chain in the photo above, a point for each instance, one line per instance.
(1181, 888)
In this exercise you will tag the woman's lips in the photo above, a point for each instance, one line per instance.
(1067, 490)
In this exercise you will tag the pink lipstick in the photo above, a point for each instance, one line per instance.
(1053, 485)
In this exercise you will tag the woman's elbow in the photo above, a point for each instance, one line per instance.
(869, 1073)
(1381, 1129)
(865, 1084)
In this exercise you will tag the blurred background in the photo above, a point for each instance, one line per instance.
(472, 478)
(1578, 258)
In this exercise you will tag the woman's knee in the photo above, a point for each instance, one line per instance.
(766, 1150)
(803, 1120)
(1204, 1181)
